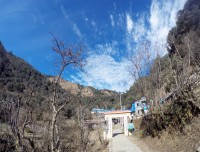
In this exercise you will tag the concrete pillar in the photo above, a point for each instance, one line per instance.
(125, 125)
(121, 121)
(110, 132)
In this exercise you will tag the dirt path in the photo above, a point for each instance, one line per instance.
(121, 143)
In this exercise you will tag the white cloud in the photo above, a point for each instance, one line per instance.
(162, 19)
(120, 21)
(86, 19)
(93, 24)
(140, 32)
(129, 23)
(107, 48)
(155, 26)
(163, 13)
(76, 30)
(64, 12)
(103, 71)
(112, 20)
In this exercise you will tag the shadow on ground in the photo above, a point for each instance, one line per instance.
(115, 134)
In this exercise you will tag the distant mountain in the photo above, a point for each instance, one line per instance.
(85, 91)
(108, 92)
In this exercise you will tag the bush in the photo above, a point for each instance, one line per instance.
(173, 118)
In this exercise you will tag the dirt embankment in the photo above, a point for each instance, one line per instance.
(187, 141)
(171, 141)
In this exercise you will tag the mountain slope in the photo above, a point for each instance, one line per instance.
(87, 91)
(16, 75)
(175, 81)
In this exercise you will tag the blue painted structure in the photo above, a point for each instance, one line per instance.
(139, 105)
(133, 107)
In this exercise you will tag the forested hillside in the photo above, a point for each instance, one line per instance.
(173, 86)
(26, 108)
(16, 74)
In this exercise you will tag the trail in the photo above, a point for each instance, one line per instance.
(121, 143)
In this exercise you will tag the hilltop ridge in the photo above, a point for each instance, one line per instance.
(86, 91)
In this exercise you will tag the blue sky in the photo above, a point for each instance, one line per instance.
(111, 30)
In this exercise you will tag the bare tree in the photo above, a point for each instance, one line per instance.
(17, 119)
(140, 66)
(69, 56)
(135, 66)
